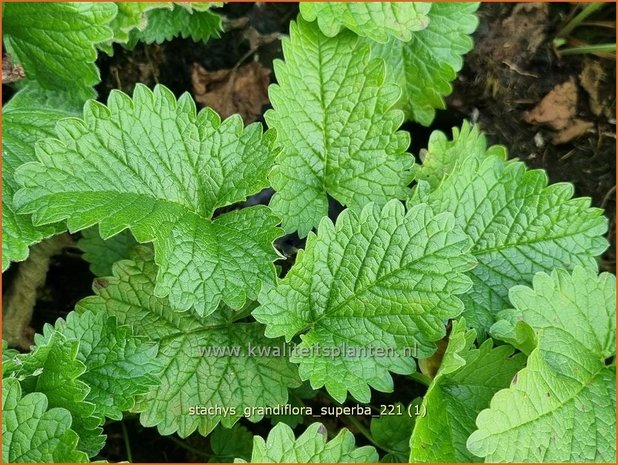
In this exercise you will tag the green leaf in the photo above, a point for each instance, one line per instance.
(56, 44)
(54, 370)
(33, 433)
(464, 385)
(228, 444)
(132, 15)
(154, 165)
(119, 366)
(26, 118)
(333, 117)
(518, 225)
(443, 156)
(101, 253)
(192, 377)
(391, 432)
(164, 25)
(425, 65)
(310, 447)
(376, 20)
(384, 279)
(562, 406)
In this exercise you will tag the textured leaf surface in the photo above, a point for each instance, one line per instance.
(156, 166)
(25, 119)
(333, 119)
(163, 25)
(191, 377)
(56, 44)
(376, 20)
(561, 407)
(33, 433)
(228, 444)
(101, 253)
(466, 381)
(119, 366)
(392, 433)
(425, 65)
(518, 224)
(53, 369)
(382, 278)
(310, 447)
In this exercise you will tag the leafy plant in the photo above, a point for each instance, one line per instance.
(465, 260)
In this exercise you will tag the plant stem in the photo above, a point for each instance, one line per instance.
(587, 11)
(365, 432)
(127, 444)
(600, 48)
(186, 446)
(421, 378)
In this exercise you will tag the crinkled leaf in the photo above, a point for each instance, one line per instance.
(54, 370)
(163, 25)
(382, 278)
(192, 376)
(391, 432)
(425, 65)
(562, 406)
(25, 119)
(466, 381)
(156, 166)
(228, 444)
(310, 447)
(119, 365)
(339, 136)
(10, 358)
(375, 20)
(56, 44)
(518, 225)
(102, 253)
(31, 432)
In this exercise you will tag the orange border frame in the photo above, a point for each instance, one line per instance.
(272, 1)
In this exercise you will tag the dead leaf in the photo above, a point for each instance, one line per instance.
(592, 78)
(575, 129)
(241, 90)
(10, 71)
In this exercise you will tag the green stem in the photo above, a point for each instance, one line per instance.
(127, 444)
(365, 432)
(587, 11)
(186, 446)
(600, 48)
(421, 378)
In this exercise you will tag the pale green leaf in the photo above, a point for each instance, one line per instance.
(191, 376)
(55, 43)
(101, 253)
(518, 225)
(464, 385)
(333, 117)
(562, 406)
(154, 165)
(392, 430)
(33, 433)
(375, 20)
(381, 278)
(119, 365)
(54, 370)
(310, 447)
(425, 66)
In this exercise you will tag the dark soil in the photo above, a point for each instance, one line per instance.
(513, 66)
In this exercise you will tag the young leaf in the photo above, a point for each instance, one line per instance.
(119, 366)
(561, 407)
(23, 123)
(163, 25)
(156, 166)
(391, 432)
(310, 447)
(425, 65)
(382, 278)
(375, 20)
(101, 253)
(228, 444)
(518, 225)
(333, 117)
(465, 383)
(33, 433)
(229, 376)
(56, 44)
(54, 370)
